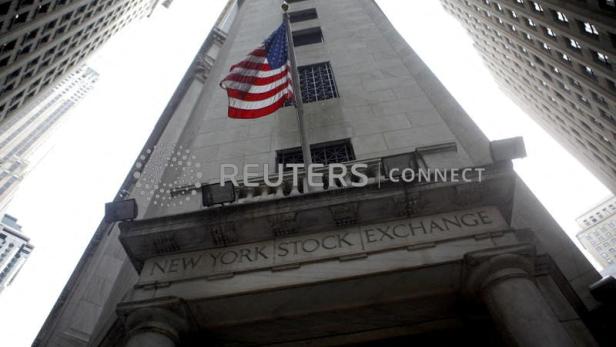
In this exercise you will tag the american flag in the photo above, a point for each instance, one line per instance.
(261, 84)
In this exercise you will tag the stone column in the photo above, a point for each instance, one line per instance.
(153, 327)
(504, 283)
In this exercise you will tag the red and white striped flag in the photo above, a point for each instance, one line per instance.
(261, 84)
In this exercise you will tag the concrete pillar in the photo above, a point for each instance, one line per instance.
(505, 285)
(152, 335)
(153, 327)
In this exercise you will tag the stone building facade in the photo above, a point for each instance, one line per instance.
(556, 59)
(41, 40)
(431, 263)
(598, 234)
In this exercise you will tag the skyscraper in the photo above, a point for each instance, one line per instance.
(556, 60)
(364, 257)
(14, 250)
(20, 137)
(41, 40)
(598, 234)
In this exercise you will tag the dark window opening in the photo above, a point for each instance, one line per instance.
(8, 46)
(50, 25)
(588, 29)
(19, 19)
(42, 9)
(325, 153)
(13, 74)
(609, 5)
(31, 35)
(300, 16)
(317, 82)
(307, 37)
(602, 59)
(4, 8)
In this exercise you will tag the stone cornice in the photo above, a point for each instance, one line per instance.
(310, 213)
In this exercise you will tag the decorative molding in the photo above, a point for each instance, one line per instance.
(203, 66)
(167, 316)
(223, 233)
(165, 244)
(471, 193)
(344, 214)
(283, 224)
(337, 207)
(400, 206)
(415, 203)
(485, 267)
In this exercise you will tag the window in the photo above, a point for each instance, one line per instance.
(8, 46)
(563, 86)
(584, 101)
(4, 8)
(598, 98)
(609, 5)
(560, 17)
(546, 46)
(589, 29)
(574, 44)
(325, 153)
(537, 7)
(575, 83)
(608, 117)
(602, 58)
(588, 71)
(13, 74)
(565, 57)
(307, 37)
(19, 19)
(31, 35)
(317, 82)
(300, 16)
(550, 32)
(24, 50)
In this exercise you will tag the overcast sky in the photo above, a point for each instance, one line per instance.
(60, 203)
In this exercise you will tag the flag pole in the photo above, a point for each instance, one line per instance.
(297, 92)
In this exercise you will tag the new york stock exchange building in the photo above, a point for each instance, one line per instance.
(475, 262)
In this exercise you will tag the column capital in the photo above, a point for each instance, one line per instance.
(503, 280)
(166, 317)
(487, 267)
